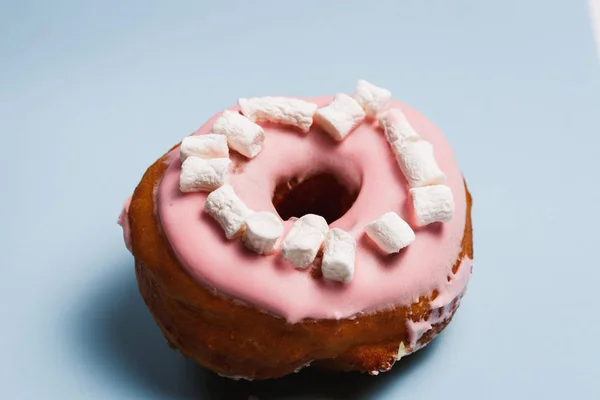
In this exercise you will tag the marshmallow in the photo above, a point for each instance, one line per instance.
(396, 126)
(338, 256)
(340, 117)
(390, 232)
(304, 240)
(372, 99)
(263, 230)
(433, 204)
(228, 210)
(243, 135)
(200, 175)
(417, 162)
(204, 146)
(279, 110)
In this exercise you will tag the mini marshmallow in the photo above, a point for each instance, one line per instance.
(228, 210)
(263, 230)
(304, 240)
(279, 110)
(243, 135)
(390, 232)
(200, 175)
(338, 256)
(372, 99)
(340, 117)
(417, 162)
(204, 146)
(396, 126)
(433, 204)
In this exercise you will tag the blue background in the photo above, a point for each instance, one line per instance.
(91, 93)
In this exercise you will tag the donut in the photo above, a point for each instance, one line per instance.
(332, 231)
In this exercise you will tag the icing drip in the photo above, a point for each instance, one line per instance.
(236, 377)
(443, 306)
(124, 222)
(401, 351)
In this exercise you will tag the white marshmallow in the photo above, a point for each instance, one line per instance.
(390, 232)
(228, 210)
(279, 110)
(263, 230)
(433, 204)
(417, 162)
(396, 126)
(243, 135)
(200, 175)
(304, 240)
(338, 256)
(340, 117)
(204, 146)
(372, 99)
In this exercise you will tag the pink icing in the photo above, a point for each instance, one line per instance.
(363, 159)
(444, 304)
(124, 222)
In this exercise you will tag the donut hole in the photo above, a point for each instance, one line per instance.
(323, 194)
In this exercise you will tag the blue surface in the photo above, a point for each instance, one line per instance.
(90, 95)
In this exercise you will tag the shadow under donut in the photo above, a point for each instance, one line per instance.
(313, 383)
(118, 339)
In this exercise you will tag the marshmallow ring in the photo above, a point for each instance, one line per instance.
(364, 161)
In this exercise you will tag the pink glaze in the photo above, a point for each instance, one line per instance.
(124, 222)
(444, 304)
(364, 159)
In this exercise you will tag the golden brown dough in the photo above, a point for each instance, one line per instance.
(242, 341)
